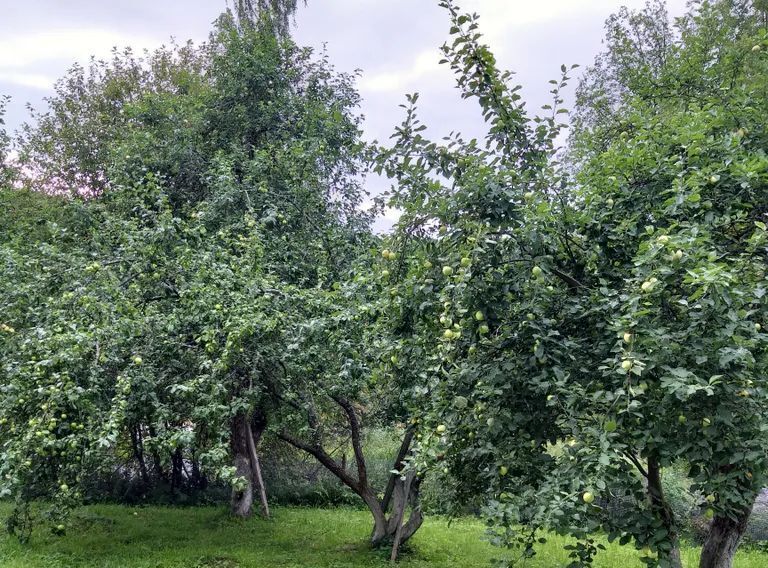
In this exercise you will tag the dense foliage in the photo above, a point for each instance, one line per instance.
(547, 331)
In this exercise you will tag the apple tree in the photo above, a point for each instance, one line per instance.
(602, 320)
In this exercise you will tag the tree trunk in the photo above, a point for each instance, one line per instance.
(723, 540)
(256, 477)
(663, 511)
(242, 499)
(138, 453)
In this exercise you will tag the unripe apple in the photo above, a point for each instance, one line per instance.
(528, 195)
(756, 48)
(427, 264)
(472, 350)
(137, 360)
(448, 334)
(714, 178)
(385, 273)
(64, 487)
(609, 202)
(709, 513)
(479, 316)
(394, 359)
(550, 397)
(465, 261)
(663, 239)
(627, 337)
(588, 497)
(531, 317)
(60, 527)
(385, 253)
(758, 327)
(682, 419)
(536, 271)
(483, 329)
(705, 422)
(441, 429)
(710, 498)
(503, 470)
(447, 270)
(626, 364)
(610, 426)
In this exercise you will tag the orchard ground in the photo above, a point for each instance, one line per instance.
(123, 537)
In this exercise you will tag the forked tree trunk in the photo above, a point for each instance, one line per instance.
(400, 493)
(723, 540)
(242, 499)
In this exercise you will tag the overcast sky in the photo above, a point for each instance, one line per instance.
(395, 43)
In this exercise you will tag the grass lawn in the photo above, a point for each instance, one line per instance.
(121, 537)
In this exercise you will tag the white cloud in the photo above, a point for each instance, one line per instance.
(34, 80)
(426, 63)
(23, 50)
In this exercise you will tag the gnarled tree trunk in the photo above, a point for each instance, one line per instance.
(400, 492)
(723, 540)
(242, 499)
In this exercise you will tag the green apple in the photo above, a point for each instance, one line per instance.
(663, 239)
(447, 270)
(448, 334)
(385, 254)
(385, 273)
(479, 316)
(64, 487)
(678, 255)
(709, 513)
(466, 261)
(756, 48)
(394, 359)
(441, 429)
(610, 426)
(427, 264)
(627, 337)
(530, 316)
(705, 422)
(536, 271)
(483, 329)
(472, 349)
(626, 364)
(710, 498)
(137, 360)
(588, 497)
(503, 470)
(758, 327)
(682, 419)
(609, 202)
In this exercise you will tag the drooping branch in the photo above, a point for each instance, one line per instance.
(322, 456)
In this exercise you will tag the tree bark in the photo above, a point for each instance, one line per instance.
(662, 509)
(256, 477)
(242, 499)
(723, 540)
(138, 453)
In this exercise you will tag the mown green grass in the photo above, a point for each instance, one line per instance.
(155, 537)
